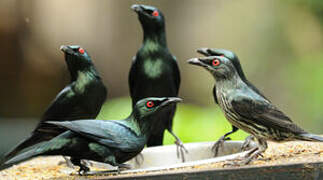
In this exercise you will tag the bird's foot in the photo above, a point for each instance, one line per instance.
(247, 143)
(83, 170)
(96, 173)
(122, 167)
(219, 143)
(180, 149)
(87, 162)
(139, 159)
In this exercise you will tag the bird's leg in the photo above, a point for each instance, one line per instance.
(83, 169)
(67, 162)
(247, 143)
(262, 146)
(139, 159)
(219, 143)
(180, 148)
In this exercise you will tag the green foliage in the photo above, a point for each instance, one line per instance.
(192, 123)
(307, 74)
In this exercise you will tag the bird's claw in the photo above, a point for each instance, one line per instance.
(218, 144)
(83, 170)
(180, 149)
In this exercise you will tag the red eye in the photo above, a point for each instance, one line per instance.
(150, 104)
(215, 62)
(155, 13)
(81, 50)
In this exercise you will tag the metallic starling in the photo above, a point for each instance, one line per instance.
(236, 62)
(154, 72)
(246, 109)
(108, 141)
(81, 99)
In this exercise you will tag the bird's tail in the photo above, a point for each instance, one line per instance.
(28, 142)
(310, 137)
(20, 158)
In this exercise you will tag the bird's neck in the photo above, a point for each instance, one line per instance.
(155, 39)
(229, 82)
(84, 73)
(140, 125)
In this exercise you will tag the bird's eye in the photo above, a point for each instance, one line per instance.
(150, 104)
(215, 62)
(155, 13)
(81, 50)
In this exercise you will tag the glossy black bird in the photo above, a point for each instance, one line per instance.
(107, 141)
(154, 72)
(246, 109)
(81, 99)
(236, 63)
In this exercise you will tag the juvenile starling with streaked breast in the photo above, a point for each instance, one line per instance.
(246, 109)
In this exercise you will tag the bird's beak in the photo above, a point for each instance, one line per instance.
(171, 100)
(203, 51)
(137, 8)
(66, 49)
(196, 61)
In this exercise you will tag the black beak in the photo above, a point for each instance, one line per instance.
(137, 8)
(204, 51)
(171, 100)
(66, 49)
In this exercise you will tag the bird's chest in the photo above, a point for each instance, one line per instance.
(153, 68)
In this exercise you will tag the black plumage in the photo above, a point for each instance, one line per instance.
(154, 71)
(108, 141)
(248, 110)
(81, 99)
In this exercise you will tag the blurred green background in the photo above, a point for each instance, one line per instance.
(279, 43)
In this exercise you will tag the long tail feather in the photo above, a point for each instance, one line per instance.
(311, 137)
(20, 158)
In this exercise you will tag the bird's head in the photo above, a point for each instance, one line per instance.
(150, 106)
(219, 66)
(77, 59)
(151, 18)
(226, 53)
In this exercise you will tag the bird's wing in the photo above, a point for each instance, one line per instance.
(65, 106)
(107, 133)
(260, 111)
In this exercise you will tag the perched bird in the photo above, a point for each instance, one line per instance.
(107, 141)
(236, 63)
(246, 109)
(81, 99)
(154, 72)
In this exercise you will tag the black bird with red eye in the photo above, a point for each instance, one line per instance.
(81, 99)
(154, 73)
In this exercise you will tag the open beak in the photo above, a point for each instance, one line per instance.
(196, 61)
